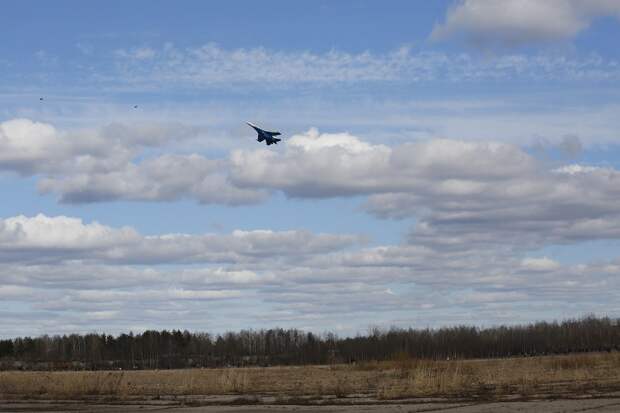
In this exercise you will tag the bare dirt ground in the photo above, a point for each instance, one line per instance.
(607, 404)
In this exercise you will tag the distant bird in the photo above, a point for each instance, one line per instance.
(40, 98)
(266, 136)
(135, 106)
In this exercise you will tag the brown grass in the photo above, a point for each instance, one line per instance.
(401, 378)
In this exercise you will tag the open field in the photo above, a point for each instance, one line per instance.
(458, 383)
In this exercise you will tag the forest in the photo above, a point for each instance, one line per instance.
(269, 347)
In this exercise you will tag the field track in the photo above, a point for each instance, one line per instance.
(546, 406)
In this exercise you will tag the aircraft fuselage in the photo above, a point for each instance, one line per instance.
(264, 135)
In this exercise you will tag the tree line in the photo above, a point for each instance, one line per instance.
(180, 349)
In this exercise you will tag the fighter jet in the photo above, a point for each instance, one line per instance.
(266, 136)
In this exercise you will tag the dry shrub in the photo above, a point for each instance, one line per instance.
(573, 362)
(401, 377)
(425, 378)
(371, 365)
(233, 381)
(342, 387)
(525, 376)
(403, 361)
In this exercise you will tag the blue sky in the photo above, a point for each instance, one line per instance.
(442, 162)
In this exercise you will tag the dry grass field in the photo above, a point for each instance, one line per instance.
(549, 376)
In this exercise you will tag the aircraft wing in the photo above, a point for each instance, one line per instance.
(256, 128)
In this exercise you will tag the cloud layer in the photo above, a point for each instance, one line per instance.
(121, 280)
(476, 189)
(258, 69)
(472, 188)
(183, 70)
(482, 211)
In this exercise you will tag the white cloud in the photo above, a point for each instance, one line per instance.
(58, 239)
(212, 66)
(29, 147)
(323, 165)
(165, 178)
(314, 166)
(266, 278)
(482, 209)
(488, 191)
(575, 169)
(93, 165)
(463, 187)
(60, 233)
(540, 264)
(516, 22)
(25, 145)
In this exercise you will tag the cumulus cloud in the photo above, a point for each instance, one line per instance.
(43, 238)
(517, 22)
(391, 283)
(93, 165)
(455, 189)
(324, 165)
(313, 165)
(40, 232)
(165, 178)
(28, 147)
